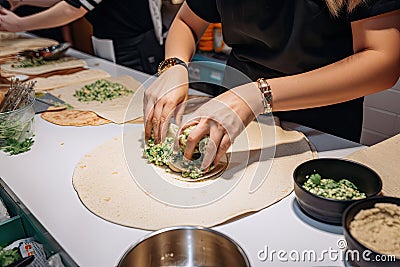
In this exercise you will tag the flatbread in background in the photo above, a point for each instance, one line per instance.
(7, 35)
(383, 158)
(71, 117)
(105, 185)
(57, 81)
(113, 110)
(70, 63)
(14, 45)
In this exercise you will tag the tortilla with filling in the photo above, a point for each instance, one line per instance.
(66, 63)
(12, 46)
(57, 81)
(162, 154)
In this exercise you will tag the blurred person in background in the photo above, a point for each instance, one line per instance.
(127, 32)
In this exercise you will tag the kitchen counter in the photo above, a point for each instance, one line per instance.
(42, 179)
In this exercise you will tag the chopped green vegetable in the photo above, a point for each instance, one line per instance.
(101, 90)
(13, 147)
(162, 153)
(329, 188)
(36, 62)
(159, 154)
(9, 256)
(16, 132)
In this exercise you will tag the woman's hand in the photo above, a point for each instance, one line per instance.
(223, 118)
(166, 96)
(9, 21)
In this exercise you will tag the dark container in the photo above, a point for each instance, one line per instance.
(331, 210)
(368, 259)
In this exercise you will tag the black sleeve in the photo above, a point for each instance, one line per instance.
(372, 8)
(205, 9)
(87, 4)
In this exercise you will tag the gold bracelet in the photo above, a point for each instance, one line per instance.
(168, 63)
(266, 93)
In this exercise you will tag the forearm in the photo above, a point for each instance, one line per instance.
(185, 30)
(374, 67)
(362, 74)
(58, 15)
(41, 3)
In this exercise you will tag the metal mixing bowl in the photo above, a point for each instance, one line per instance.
(185, 246)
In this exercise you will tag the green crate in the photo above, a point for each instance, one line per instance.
(23, 224)
(11, 230)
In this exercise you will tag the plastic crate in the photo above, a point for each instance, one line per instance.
(23, 224)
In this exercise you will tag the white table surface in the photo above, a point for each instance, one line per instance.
(42, 179)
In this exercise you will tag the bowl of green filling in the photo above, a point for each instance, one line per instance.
(325, 187)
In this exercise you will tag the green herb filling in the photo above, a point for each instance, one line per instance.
(329, 188)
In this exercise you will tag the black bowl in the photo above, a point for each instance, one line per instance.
(370, 257)
(326, 209)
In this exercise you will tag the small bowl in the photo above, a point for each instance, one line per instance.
(185, 246)
(369, 259)
(17, 124)
(326, 209)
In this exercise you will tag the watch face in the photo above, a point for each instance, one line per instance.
(169, 62)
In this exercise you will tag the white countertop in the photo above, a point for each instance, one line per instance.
(42, 179)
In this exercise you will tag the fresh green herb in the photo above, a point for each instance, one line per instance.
(14, 147)
(162, 154)
(159, 154)
(329, 188)
(9, 256)
(16, 132)
(101, 90)
(36, 62)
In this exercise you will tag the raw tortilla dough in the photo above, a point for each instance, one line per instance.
(105, 186)
(381, 158)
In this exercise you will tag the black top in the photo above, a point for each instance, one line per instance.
(117, 19)
(277, 38)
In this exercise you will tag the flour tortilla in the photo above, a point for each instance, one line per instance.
(14, 45)
(113, 110)
(382, 158)
(105, 186)
(70, 117)
(7, 35)
(57, 81)
(70, 63)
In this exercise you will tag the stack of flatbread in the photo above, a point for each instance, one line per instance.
(11, 46)
(7, 69)
(7, 35)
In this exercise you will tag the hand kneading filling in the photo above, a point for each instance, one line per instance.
(163, 153)
(329, 188)
(378, 228)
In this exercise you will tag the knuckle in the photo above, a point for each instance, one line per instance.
(225, 145)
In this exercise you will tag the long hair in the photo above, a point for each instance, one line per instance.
(336, 5)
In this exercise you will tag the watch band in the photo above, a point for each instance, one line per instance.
(266, 93)
(168, 63)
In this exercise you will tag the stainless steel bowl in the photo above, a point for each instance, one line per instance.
(185, 246)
